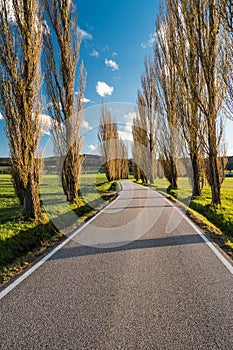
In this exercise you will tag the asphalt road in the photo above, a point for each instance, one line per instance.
(141, 279)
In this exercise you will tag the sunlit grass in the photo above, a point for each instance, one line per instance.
(20, 241)
(221, 216)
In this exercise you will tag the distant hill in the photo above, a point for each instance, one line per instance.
(4, 161)
(230, 163)
(91, 164)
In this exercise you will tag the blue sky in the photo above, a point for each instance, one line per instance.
(116, 37)
(112, 51)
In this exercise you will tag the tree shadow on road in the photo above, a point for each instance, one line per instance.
(79, 250)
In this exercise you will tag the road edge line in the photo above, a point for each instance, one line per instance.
(225, 262)
(220, 256)
(27, 273)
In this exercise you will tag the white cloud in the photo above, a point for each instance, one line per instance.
(45, 123)
(112, 64)
(149, 42)
(114, 54)
(130, 117)
(126, 132)
(45, 120)
(1, 116)
(46, 29)
(94, 53)
(104, 89)
(86, 35)
(85, 100)
(86, 125)
(92, 147)
(10, 10)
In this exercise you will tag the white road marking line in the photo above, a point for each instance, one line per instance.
(49, 255)
(205, 239)
(225, 262)
(55, 250)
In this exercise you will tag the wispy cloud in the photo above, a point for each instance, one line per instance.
(86, 125)
(85, 100)
(10, 10)
(46, 29)
(126, 133)
(104, 89)
(92, 147)
(94, 53)
(130, 117)
(46, 123)
(86, 35)
(111, 64)
(149, 42)
(114, 54)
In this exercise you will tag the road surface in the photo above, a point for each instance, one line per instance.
(142, 278)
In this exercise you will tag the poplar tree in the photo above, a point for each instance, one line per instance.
(113, 149)
(208, 34)
(147, 104)
(226, 13)
(62, 42)
(140, 150)
(20, 83)
(190, 87)
(166, 84)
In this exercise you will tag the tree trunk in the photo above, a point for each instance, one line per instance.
(18, 184)
(31, 203)
(151, 167)
(196, 187)
(69, 187)
(70, 175)
(173, 173)
(214, 179)
(213, 153)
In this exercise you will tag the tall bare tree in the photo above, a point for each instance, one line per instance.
(20, 82)
(113, 149)
(66, 99)
(190, 85)
(166, 83)
(226, 13)
(124, 164)
(146, 117)
(200, 58)
(140, 151)
(208, 34)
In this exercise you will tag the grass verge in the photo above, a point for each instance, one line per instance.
(22, 242)
(216, 222)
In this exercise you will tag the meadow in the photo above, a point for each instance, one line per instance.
(220, 217)
(21, 242)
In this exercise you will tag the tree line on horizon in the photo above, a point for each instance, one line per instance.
(186, 94)
(41, 38)
(113, 150)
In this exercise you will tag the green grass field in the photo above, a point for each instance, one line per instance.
(221, 217)
(21, 242)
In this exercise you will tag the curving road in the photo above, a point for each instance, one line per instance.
(138, 276)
